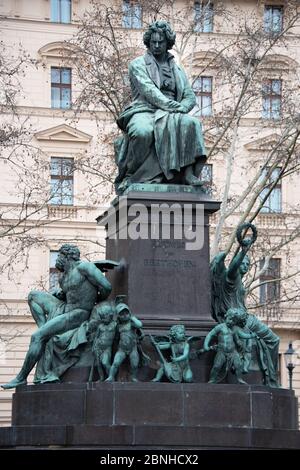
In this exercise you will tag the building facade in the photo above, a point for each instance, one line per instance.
(61, 199)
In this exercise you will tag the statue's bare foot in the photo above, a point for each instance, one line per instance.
(14, 383)
(155, 380)
(192, 180)
(109, 379)
(134, 379)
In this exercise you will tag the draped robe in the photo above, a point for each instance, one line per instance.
(156, 141)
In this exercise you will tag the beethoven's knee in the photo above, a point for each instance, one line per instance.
(143, 133)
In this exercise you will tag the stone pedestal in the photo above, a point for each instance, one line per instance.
(152, 416)
(164, 282)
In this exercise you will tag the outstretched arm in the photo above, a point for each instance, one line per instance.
(235, 264)
(237, 260)
(244, 246)
(163, 345)
(95, 276)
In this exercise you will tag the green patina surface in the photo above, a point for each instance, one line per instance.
(228, 292)
(164, 188)
(161, 142)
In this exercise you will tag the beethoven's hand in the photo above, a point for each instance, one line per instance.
(181, 109)
(175, 107)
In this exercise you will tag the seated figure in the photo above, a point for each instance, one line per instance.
(178, 370)
(162, 143)
(82, 284)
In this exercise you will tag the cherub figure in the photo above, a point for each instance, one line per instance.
(229, 335)
(104, 337)
(128, 327)
(178, 370)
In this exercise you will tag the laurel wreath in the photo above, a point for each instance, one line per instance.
(241, 238)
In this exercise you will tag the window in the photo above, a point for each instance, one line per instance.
(270, 287)
(273, 202)
(132, 14)
(62, 181)
(202, 87)
(61, 11)
(60, 87)
(271, 94)
(54, 273)
(273, 19)
(203, 16)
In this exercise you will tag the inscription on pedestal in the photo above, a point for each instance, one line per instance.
(169, 263)
(165, 279)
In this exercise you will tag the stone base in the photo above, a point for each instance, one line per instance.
(152, 416)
